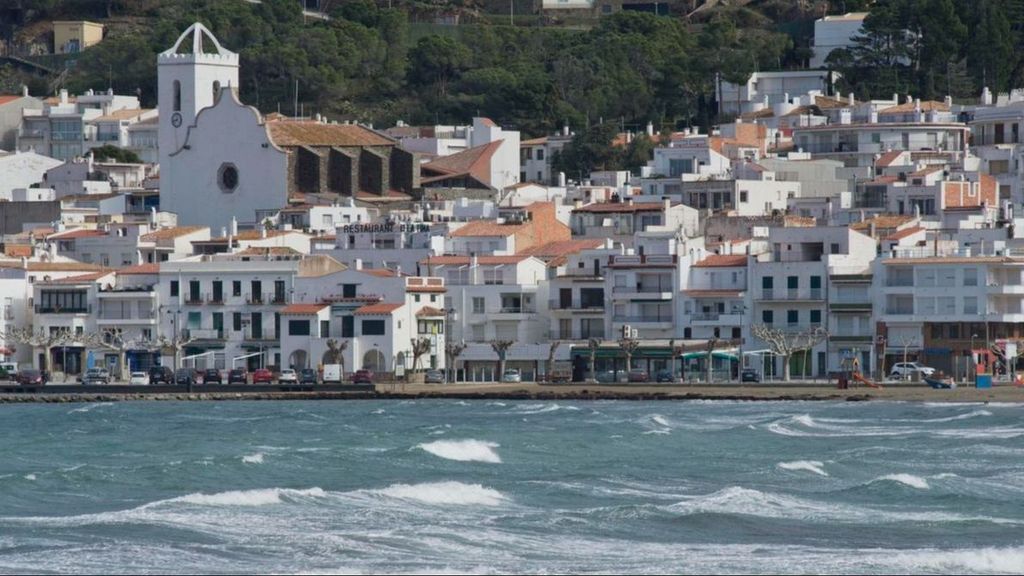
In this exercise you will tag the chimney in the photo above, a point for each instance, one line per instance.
(398, 270)
(234, 226)
(358, 263)
(873, 117)
(24, 91)
(666, 206)
(895, 98)
(223, 231)
(853, 101)
(565, 130)
(63, 96)
(561, 179)
(948, 101)
(650, 129)
(986, 96)
(263, 231)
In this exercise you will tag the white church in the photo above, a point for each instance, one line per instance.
(221, 159)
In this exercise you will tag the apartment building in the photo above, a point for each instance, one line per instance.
(715, 298)
(226, 309)
(64, 128)
(996, 140)
(856, 144)
(578, 300)
(789, 285)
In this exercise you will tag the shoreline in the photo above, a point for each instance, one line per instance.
(538, 392)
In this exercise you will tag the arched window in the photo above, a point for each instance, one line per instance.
(177, 96)
(216, 90)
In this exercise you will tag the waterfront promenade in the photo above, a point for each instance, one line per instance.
(809, 391)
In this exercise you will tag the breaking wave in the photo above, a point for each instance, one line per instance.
(463, 450)
(808, 465)
(445, 493)
(905, 479)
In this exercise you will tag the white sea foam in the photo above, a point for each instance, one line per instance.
(808, 465)
(445, 493)
(536, 408)
(463, 450)
(378, 411)
(30, 476)
(258, 497)
(659, 419)
(256, 458)
(905, 479)
(976, 561)
(89, 407)
(659, 431)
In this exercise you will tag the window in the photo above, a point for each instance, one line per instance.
(216, 90)
(815, 317)
(937, 331)
(177, 96)
(348, 290)
(373, 327)
(236, 322)
(835, 248)
(174, 288)
(478, 305)
(767, 316)
(540, 153)
(298, 327)
(743, 196)
(195, 320)
(325, 328)
(792, 282)
(970, 305)
(218, 323)
(416, 298)
(227, 177)
(792, 317)
(736, 333)
(970, 276)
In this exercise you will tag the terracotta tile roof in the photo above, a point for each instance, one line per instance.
(309, 133)
(722, 261)
(926, 171)
(926, 106)
(558, 252)
(6, 99)
(534, 141)
(488, 122)
(389, 195)
(791, 221)
(881, 221)
(80, 279)
(378, 309)
(426, 289)
(303, 309)
(252, 235)
(18, 250)
(888, 158)
(430, 311)
(140, 269)
(904, 233)
(169, 233)
(485, 260)
(381, 272)
(79, 233)
(621, 207)
(473, 161)
(60, 267)
(828, 103)
(268, 251)
(122, 114)
(486, 228)
(884, 180)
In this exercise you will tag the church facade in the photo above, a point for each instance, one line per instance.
(221, 159)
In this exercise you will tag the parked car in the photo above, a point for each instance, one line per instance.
(362, 377)
(433, 377)
(30, 377)
(262, 376)
(905, 369)
(287, 376)
(185, 377)
(607, 377)
(749, 375)
(139, 379)
(511, 375)
(212, 376)
(96, 376)
(560, 375)
(161, 375)
(307, 376)
(8, 370)
(637, 375)
(664, 376)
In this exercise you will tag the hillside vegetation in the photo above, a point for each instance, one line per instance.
(378, 65)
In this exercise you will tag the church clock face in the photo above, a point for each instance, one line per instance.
(176, 119)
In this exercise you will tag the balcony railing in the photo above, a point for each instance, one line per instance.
(194, 299)
(575, 305)
(517, 310)
(119, 315)
(643, 318)
(40, 309)
(793, 294)
(254, 298)
(205, 334)
(900, 310)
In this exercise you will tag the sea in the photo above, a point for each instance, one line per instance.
(495, 486)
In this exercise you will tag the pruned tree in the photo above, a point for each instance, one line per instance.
(336, 353)
(785, 343)
(500, 348)
(175, 344)
(629, 347)
(709, 351)
(552, 348)
(114, 339)
(593, 344)
(420, 347)
(452, 351)
(47, 340)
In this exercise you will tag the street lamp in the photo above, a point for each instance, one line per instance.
(974, 359)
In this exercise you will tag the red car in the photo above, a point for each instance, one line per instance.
(262, 376)
(362, 377)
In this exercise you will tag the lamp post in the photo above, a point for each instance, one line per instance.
(974, 359)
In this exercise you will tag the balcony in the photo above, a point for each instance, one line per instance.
(659, 292)
(278, 299)
(854, 304)
(653, 321)
(899, 311)
(40, 309)
(254, 299)
(194, 299)
(716, 319)
(205, 334)
(793, 295)
(258, 335)
(576, 306)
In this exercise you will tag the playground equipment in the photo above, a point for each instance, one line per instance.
(851, 371)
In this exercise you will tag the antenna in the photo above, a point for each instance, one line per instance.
(295, 105)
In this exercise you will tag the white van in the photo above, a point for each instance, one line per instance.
(332, 374)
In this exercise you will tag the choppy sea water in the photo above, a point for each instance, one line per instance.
(501, 486)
